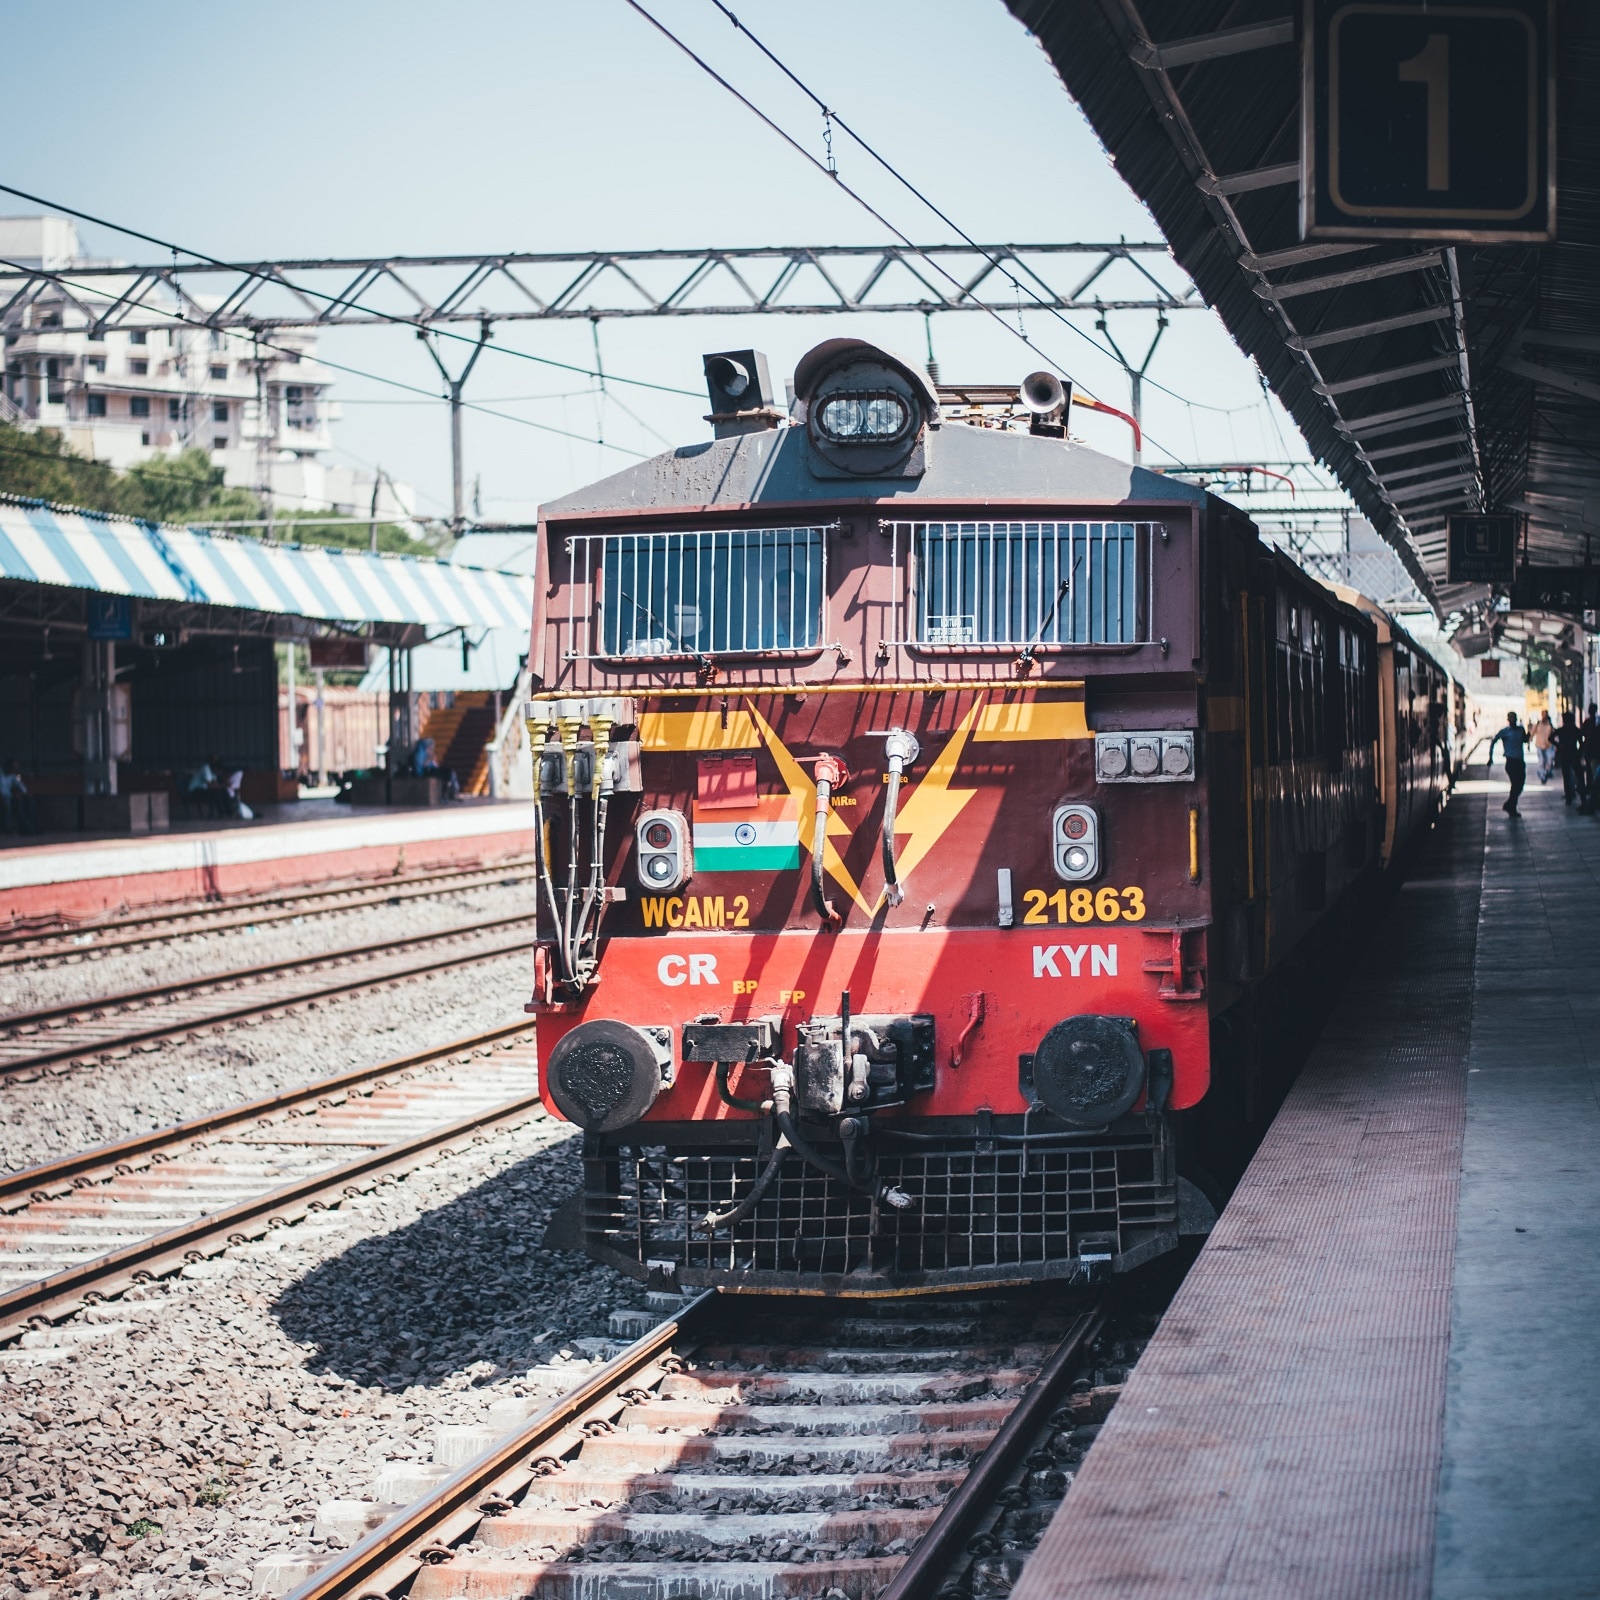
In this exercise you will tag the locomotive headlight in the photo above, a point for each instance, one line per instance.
(1075, 836)
(665, 855)
(864, 416)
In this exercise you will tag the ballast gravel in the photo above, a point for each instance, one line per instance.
(180, 1079)
(194, 955)
(192, 1434)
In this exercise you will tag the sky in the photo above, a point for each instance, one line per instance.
(357, 128)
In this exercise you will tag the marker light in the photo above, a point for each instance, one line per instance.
(1075, 839)
(665, 856)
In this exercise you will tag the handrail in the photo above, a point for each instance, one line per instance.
(510, 738)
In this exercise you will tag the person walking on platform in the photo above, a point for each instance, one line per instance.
(1589, 734)
(1514, 737)
(1544, 749)
(1569, 757)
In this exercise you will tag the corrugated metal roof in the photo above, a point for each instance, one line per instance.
(73, 549)
(1448, 407)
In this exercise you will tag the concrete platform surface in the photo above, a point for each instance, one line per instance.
(1371, 1384)
(78, 876)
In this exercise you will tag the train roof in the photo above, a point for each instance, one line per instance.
(942, 462)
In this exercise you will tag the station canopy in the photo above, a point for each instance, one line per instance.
(1431, 377)
(62, 548)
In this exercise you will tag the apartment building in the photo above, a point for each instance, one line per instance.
(122, 395)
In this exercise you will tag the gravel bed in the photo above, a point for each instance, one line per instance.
(86, 1106)
(209, 1415)
(195, 955)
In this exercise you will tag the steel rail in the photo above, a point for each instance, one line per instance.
(98, 936)
(936, 1551)
(36, 1183)
(384, 1562)
(391, 1555)
(179, 986)
(91, 1049)
(64, 1292)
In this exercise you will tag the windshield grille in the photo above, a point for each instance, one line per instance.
(737, 591)
(971, 584)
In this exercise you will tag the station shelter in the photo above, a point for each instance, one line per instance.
(133, 652)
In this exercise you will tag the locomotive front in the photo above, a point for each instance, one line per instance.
(874, 897)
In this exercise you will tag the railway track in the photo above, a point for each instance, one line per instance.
(111, 1026)
(86, 941)
(90, 1225)
(760, 1447)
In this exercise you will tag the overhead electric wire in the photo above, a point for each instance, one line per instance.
(260, 343)
(1017, 284)
(866, 205)
(331, 300)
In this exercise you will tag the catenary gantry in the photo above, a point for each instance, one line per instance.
(527, 286)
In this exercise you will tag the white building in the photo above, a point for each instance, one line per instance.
(125, 394)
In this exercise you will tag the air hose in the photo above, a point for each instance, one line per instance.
(782, 1093)
(901, 749)
(736, 1214)
(830, 774)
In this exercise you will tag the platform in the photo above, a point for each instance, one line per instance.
(312, 842)
(1380, 1378)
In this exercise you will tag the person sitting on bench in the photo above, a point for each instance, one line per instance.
(16, 804)
(424, 765)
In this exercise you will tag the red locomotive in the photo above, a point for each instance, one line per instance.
(930, 806)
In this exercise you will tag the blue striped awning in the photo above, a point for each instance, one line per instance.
(156, 561)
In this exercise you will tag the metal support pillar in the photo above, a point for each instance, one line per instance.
(322, 732)
(1136, 377)
(454, 386)
(294, 713)
(95, 694)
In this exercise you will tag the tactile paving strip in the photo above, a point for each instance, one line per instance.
(1280, 1437)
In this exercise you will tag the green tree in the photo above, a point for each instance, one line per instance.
(310, 527)
(38, 465)
(178, 488)
(181, 488)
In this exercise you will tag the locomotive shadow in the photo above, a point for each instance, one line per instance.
(467, 1283)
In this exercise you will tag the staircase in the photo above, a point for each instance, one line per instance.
(459, 733)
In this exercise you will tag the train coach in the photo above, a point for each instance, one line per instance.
(931, 809)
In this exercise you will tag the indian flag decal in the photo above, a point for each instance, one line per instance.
(764, 837)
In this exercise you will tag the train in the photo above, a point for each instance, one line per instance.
(933, 812)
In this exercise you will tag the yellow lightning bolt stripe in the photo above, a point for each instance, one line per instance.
(804, 792)
(934, 805)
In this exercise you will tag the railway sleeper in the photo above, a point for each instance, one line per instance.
(727, 1491)
(722, 1535)
(838, 1388)
(918, 1358)
(477, 1577)
(661, 1452)
(832, 1420)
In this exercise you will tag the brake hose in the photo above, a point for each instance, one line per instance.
(546, 881)
(736, 1214)
(782, 1090)
(901, 749)
(829, 773)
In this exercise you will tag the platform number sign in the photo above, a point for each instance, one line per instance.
(1428, 121)
(1483, 549)
(109, 616)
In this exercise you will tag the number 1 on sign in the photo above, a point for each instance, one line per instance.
(1431, 66)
